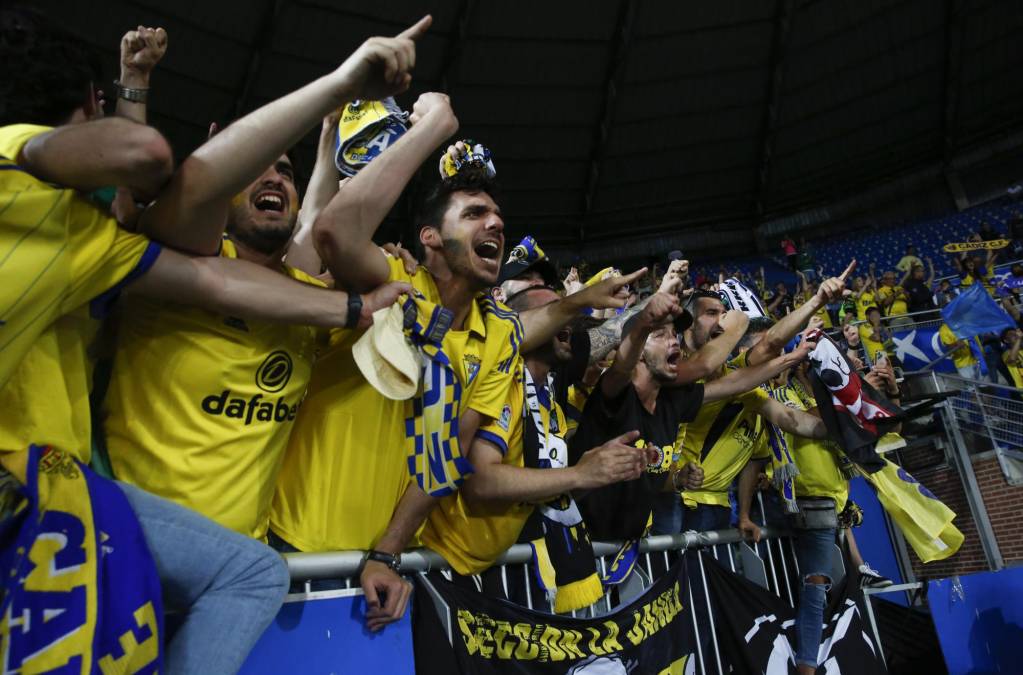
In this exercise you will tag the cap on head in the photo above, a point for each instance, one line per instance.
(527, 255)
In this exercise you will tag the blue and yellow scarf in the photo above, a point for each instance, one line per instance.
(81, 593)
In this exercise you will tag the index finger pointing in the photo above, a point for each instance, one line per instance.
(418, 29)
(848, 270)
(629, 278)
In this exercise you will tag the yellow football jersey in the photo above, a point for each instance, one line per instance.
(345, 468)
(864, 301)
(200, 405)
(1015, 368)
(870, 346)
(899, 305)
(820, 474)
(578, 394)
(963, 357)
(472, 536)
(58, 251)
(62, 259)
(722, 439)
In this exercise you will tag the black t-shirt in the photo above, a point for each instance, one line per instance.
(920, 297)
(621, 510)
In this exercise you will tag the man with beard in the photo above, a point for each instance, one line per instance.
(345, 482)
(523, 463)
(652, 389)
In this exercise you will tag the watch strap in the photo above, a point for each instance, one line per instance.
(354, 310)
(389, 559)
(131, 94)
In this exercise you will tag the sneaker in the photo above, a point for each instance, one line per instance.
(871, 578)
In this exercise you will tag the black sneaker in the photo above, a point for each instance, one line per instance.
(870, 578)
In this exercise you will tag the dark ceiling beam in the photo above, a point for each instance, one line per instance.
(614, 79)
(260, 48)
(772, 110)
(456, 43)
(955, 27)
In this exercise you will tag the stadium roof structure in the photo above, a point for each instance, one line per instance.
(616, 119)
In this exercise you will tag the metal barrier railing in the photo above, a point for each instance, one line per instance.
(770, 563)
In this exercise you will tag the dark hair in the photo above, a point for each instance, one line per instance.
(519, 300)
(431, 210)
(872, 309)
(47, 71)
(760, 324)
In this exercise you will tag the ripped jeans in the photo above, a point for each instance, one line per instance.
(814, 550)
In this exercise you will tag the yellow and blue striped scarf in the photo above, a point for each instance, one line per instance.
(81, 594)
(435, 457)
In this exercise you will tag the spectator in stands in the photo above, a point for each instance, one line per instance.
(919, 295)
(961, 353)
(909, 260)
(864, 293)
(851, 344)
(806, 289)
(209, 574)
(1012, 359)
(892, 299)
(788, 248)
(1015, 249)
(780, 302)
(806, 264)
(945, 293)
(219, 458)
(972, 270)
(521, 461)
(875, 337)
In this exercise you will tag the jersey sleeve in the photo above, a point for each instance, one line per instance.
(494, 389)
(14, 137)
(500, 429)
(103, 257)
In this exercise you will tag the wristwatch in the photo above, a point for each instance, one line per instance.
(354, 310)
(130, 94)
(389, 559)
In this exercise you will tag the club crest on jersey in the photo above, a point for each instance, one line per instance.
(505, 420)
(472, 368)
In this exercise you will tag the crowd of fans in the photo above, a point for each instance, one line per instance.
(252, 369)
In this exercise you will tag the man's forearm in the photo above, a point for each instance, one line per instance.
(190, 214)
(132, 110)
(410, 514)
(608, 335)
(620, 372)
(240, 288)
(323, 185)
(783, 331)
(112, 151)
(543, 323)
(710, 357)
(504, 483)
(744, 379)
(747, 486)
(797, 422)
(343, 232)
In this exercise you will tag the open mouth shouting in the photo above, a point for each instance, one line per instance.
(269, 200)
(489, 253)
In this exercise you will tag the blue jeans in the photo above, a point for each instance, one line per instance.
(227, 586)
(667, 514)
(706, 517)
(813, 552)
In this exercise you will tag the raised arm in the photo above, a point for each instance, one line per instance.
(742, 380)
(103, 152)
(343, 232)
(141, 50)
(930, 273)
(789, 326)
(709, 358)
(323, 185)
(239, 288)
(798, 422)
(660, 307)
(190, 214)
(541, 324)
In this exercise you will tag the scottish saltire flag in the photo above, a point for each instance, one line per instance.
(974, 312)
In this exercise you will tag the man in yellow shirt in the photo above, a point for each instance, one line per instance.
(864, 294)
(65, 261)
(345, 481)
(893, 299)
(521, 462)
(961, 353)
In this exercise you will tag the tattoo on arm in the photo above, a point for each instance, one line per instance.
(608, 335)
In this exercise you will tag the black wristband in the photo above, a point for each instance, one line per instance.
(389, 559)
(354, 310)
